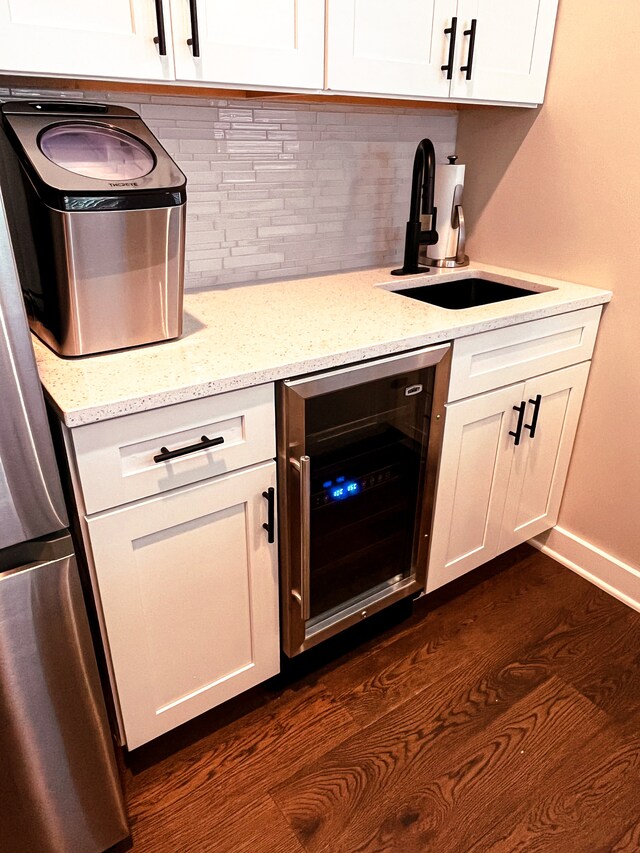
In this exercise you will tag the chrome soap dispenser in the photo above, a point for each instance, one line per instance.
(449, 251)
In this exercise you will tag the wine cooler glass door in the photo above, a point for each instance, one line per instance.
(355, 463)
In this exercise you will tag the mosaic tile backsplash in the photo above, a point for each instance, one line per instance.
(279, 189)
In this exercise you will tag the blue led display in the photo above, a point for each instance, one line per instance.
(347, 489)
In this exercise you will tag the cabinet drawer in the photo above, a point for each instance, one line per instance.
(502, 356)
(115, 459)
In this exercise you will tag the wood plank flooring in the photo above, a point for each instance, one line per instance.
(502, 715)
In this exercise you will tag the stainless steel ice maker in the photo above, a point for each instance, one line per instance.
(99, 209)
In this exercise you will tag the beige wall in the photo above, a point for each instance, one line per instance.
(557, 191)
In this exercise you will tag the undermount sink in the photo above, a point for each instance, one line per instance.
(464, 293)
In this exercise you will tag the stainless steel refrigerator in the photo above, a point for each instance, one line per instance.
(59, 786)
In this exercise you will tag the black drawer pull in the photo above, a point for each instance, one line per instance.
(472, 46)
(534, 420)
(269, 524)
(452, 47)
(204, 442)
(194, 41)
(160, 39)
(517, 435)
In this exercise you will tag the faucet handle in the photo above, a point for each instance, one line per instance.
(452, 159)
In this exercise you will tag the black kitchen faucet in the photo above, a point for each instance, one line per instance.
(421, 227)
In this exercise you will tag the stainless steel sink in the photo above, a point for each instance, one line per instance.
(464, 293)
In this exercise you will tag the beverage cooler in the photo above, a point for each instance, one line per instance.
(357, 459)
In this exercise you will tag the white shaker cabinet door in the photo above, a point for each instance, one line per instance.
(472, 486)
(541, 461)
(84, 38)
(279, 43)
(383, 47)
(188, 585)
(510, 51)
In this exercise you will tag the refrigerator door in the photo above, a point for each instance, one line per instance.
(59, 785)
(31, 502)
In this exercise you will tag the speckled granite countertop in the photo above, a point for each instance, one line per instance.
(245, 336)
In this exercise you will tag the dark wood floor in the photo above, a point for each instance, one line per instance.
(503, 715)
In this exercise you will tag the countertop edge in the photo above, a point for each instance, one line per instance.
(358, 296)
(120, 407)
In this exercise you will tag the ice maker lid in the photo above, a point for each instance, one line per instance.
(82, 156)
(96, 151)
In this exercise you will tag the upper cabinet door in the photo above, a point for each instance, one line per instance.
(394, 48)
(507, 45)
(85, 39)
(279, 43)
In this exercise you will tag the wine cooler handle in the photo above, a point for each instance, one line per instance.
(305, 535)
(303, 466)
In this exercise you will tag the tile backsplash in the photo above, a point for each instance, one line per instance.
(279, 189)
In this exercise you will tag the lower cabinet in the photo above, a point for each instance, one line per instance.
(188, 584)
(502, 473)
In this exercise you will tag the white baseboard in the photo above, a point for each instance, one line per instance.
(619, 579)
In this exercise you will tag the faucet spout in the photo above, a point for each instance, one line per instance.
(421, 227)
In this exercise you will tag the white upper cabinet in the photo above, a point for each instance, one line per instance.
(82, 38)
(504, 48)
(279, 43)
(386, 47)
(462, 50)
(478, 50)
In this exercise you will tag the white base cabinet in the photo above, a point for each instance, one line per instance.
(494, 494)
(502, 473)
(189, 592)
(182, 550)
(540, 463)
(473, 479)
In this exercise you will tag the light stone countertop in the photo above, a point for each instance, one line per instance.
(248, 335)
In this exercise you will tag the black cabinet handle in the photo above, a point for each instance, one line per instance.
(534, 420)
(517, 435)
(194, 41)
(160, 39)
(472, 46)
(452, 47)
(269, 524)
(204, 442)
